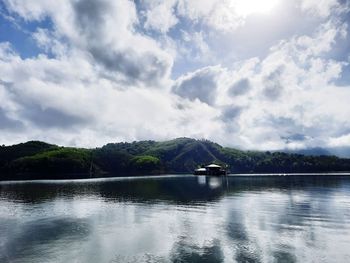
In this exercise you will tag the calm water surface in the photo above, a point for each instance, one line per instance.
(177, 219)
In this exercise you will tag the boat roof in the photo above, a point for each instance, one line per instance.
(213, 165)
(200, 169)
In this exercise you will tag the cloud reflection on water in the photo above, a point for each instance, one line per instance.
(178, 219)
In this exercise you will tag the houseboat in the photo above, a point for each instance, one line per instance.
(211, 169)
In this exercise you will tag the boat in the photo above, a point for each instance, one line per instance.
(211, 169)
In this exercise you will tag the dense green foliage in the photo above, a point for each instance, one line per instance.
(181, 155)
(11, 153)
(60, 160)
(145, 164)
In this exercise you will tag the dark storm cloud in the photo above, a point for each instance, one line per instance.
(51, 118)
(283, 124)
(37, 114)
(89, 16)
(147, 68)
(135, 66)
(240, 87)
(291, 130)
(272, 84)
(7, 123)
(231, 113)
(286, 121)
(200, 85)
(295, 137)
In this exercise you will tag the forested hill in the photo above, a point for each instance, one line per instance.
(36, 159)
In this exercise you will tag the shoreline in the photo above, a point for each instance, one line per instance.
(153, 176)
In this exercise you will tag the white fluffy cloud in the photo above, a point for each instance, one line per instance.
(288, 99)
(104, 32)
(160, 15)
(319, 7)
(106, 72)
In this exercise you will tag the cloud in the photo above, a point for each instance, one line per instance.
(224, 17)
(290, 102)
(47, 41)
(194, 46)
(138, 60)
(66, 101)
(201, 84)
(49, 117)
(341, 141)
(130, 67)
(104, 32)
(7, 123)
(160, 15)
(272, 86)
(229, 113)
(240, 87)
(321, 8)
(219, 15)
(124, 70)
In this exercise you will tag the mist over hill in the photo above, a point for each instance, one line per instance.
(35, 159)
(343, 152)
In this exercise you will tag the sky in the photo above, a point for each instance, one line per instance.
(251, 74)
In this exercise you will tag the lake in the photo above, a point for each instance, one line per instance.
(177, 219)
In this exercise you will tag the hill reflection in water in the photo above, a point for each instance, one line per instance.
(177, 219)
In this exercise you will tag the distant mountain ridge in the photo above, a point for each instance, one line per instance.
(36, 159)
(342, 152)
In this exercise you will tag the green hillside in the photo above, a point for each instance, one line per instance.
(36, 159)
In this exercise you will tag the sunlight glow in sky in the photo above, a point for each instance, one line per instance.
(250, 74)
(247, 7)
